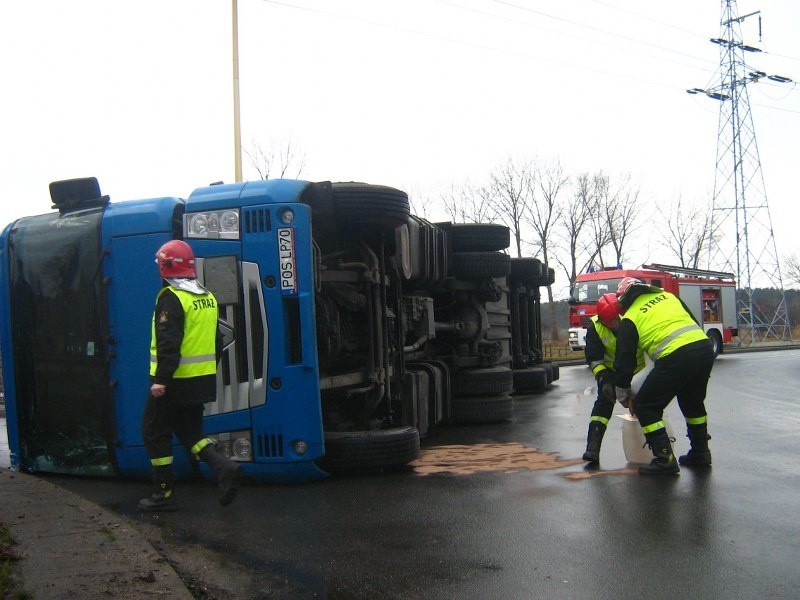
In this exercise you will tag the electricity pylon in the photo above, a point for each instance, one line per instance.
(741, 238)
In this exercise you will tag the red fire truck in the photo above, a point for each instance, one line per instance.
(710, 295)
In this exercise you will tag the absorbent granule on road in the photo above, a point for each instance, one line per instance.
(476, 458)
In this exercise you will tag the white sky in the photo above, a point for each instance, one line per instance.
(417, 94)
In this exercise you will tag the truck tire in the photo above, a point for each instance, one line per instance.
(526, 269)
(532, 379)
(476, 410)
(481, 382)
(716, 341)
(372, 205)
(481, 237)
(480, 265)
(548, 369)
(351, 451)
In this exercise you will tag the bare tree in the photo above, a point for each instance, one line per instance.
(543, 212)
(468, 204)
(598, 225)
(511, 194)
(279, 160)
(688, 230)
(615, 217)
(792, 269)
(575, 220)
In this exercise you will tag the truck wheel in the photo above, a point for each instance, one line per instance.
(485, 237)
(526, 269)
(480, 382)
(373, 205)
(482, 409)
(716, 341)
(548, 369)
(479, 265)
(529, 380)
(349, 451)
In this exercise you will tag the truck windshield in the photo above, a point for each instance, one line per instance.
(590, 291)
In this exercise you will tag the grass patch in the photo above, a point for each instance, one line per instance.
(8, 558)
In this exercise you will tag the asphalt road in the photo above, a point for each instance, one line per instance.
(509, 511)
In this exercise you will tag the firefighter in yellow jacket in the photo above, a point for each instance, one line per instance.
(601, 345)
(184, 350)
(663, 327)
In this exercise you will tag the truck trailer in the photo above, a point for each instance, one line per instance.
(352, 327)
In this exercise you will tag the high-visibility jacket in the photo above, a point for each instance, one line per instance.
(663, 324)
(609, 340)
(198, 346)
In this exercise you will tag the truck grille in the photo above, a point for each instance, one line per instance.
(269, 445)
(256, 221)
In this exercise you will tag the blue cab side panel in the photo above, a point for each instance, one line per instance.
(132, 232)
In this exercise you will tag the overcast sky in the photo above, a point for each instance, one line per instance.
(417, 94)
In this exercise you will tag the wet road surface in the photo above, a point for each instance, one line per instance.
(509, 511)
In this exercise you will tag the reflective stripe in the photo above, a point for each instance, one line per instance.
(660, 348)
(599, 419)
(198, 447)
(697, 420)
(654, 427)
(594, 364)
(161, 462)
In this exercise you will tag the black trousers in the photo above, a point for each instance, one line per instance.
(603, 406)
(683, 374)
(163, 417)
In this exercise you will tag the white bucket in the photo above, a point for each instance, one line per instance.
(633, 441)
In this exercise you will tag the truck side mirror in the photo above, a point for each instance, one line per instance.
(572, 301)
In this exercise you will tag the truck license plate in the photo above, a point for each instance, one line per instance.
(286, 256)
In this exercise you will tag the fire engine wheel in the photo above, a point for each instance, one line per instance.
(349, 451)
(480, 382)
(526, 269)
(716, 341)
(482, 409)
(479, 265)
(481, 237)
(532, 379)
(373, 205)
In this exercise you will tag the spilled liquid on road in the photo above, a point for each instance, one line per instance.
(476, 458)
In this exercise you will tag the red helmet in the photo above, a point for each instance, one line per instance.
(176, 259)
(625, 284)
(609, 309)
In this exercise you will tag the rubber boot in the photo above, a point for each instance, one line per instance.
(593, 441)
(162, 499)
(699, 455)
(664, 462)
(229, 473)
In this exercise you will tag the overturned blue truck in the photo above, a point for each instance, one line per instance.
(352, 326)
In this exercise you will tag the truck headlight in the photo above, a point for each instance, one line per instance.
(213, 224)
(235, 445)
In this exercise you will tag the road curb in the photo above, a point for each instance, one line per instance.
(70, 547)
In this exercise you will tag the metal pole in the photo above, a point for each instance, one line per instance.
(237, 130)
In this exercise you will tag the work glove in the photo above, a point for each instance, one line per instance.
(624, 396)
